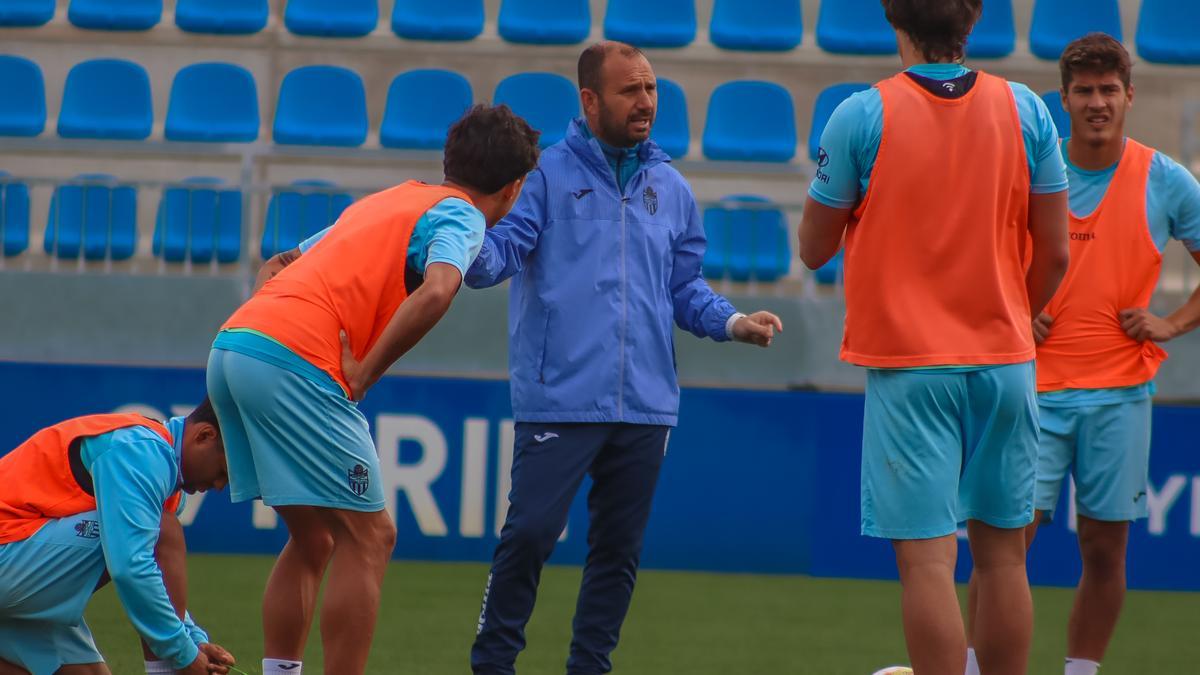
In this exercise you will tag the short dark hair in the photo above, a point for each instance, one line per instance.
(591, 61)
(939, 28)
(488, 148)
(204, 413)
(1097, 53)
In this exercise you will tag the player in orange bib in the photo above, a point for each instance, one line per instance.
(95, 498)
(288, 367)
(1098, 347)
(939, 180)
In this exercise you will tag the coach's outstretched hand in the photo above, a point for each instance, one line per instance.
(757, 328)
(219, 658)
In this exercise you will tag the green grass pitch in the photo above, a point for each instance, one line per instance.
(680, 623)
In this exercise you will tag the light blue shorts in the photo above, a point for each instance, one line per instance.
(1106, 448)
(45, 584)
(942, 447)
(290, 440)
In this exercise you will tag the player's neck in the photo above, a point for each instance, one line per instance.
(1095, 157)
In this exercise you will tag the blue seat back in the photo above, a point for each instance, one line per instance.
(23, 103)
(94, 216)
(995, 36)
(224, 17)
(1167, 31)
(442, 20)
(321, 105)
(106, 98)
(651, 23)
(747, 242)
(756, 25)
(1057, 22)
(421, 106)
(200, 220)
(26, 12)
(855, 27)
(750, 121)
(828, 101)
(331, 18)
(14, 216)
(545, 22)
(671, 129)
(213, 102)
(547, 101)
(1062, 119)
(115, 14)
(297, 214)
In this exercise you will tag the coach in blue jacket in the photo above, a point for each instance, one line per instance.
(605, 248)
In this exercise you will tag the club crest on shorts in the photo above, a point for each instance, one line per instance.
(650, 199)
(88, 529)
(359, 479)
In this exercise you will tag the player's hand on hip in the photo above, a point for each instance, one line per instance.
(757, 328)
(1139, 324)
(1041, 327)
(219, 658)
(199, 666)
(352, 369)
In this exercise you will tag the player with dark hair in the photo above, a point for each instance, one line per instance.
(1098, 347)
(944, 182)
(327, 321)
(95, 498)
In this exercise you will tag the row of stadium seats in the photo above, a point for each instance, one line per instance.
(1166, 28)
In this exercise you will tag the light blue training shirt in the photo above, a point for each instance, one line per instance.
(133, 472)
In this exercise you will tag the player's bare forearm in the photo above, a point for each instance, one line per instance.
(1051, 248)
(274, 265)
(821, 231)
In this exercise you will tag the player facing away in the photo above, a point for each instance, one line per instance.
(1097, 341)
(940, 179)
(329, 319)
(92, 499)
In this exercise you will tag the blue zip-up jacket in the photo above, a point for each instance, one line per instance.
(598, 276)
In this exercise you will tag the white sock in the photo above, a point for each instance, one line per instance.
(281, 667)
(159, 668)
(1081, 667)
(972, 662)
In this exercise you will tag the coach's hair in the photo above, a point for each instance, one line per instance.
(204, 413)
(1096, 53)
(488, 148)
(939, 28)
(591, 61)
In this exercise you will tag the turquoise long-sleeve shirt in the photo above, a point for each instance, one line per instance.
(134, 471)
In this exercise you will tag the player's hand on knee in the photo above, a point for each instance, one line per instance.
(1041, 327)
(219, 658)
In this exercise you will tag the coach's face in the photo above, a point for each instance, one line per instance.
(622, 112)
(1097, 103)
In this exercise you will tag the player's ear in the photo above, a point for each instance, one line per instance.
(206, 434)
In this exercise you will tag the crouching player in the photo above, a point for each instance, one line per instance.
(95, 498)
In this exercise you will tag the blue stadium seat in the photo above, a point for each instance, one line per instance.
(547, 101)
(444, 97)
(115, 14)
(1057, 22)
(746, 243)
(95, 216)
(545, 22)
(26, 12)
(750, 121)
(855, 27)
(14, 216)
(1167, 31)
(106, 98)
(671, 129)
(442, 20)
(296, 215)
(1062, 120)
(761, 25)
(828, 101)
(224, 17)
(199, 220)
(23, 104)
(651, 23)
(995, 36)
(213, 102)
(827, 274)
(321, 105)
(331, 18)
